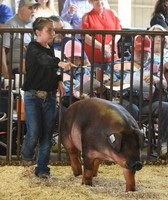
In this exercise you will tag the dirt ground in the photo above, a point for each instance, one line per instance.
(151, 184)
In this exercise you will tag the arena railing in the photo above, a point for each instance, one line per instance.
(150, 125)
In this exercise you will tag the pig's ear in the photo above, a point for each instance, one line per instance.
(115, 141)
(140, 137)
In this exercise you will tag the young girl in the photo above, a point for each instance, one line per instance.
(40, 86)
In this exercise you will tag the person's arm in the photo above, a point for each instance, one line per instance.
(88, 40)
(126, 66)
(65, 14)
(61, 89)
(98, 45)
(6, 13)
(45, 60)
(6, 46)
(156, 80)
(4, 64)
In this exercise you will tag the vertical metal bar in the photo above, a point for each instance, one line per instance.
(10, 101)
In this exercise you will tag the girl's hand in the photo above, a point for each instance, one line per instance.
(61, 89)
(66, 65)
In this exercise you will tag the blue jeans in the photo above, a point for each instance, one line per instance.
(40, 117)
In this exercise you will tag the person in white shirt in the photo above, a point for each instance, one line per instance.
(46, 8)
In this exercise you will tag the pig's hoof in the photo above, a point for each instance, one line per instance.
(130, 189)
(87, 182)
(94, 175)
(90, 184)
(77, 173)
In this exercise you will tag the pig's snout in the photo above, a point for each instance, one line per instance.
(136, 166)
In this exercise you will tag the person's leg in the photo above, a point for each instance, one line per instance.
(33, 124)
(65, 101)
(49, 120)
(164, 118)
(132, 109)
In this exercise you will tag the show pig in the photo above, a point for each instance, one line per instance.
(101, 130)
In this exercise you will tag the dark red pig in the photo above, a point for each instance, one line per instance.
(101, 130)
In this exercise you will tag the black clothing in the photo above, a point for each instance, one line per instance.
(160, 19)
(41, 68)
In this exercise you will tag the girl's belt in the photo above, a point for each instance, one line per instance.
(41, 94)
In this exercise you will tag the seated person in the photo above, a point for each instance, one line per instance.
(137, 64)
(165, 72)
(77, 61)
(146, 82)
(157, 44)
(146, 66)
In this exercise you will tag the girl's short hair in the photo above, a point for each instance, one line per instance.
(40, 22)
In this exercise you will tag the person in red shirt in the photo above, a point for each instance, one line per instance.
(100, 18)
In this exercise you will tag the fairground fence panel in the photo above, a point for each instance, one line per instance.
(12, 137)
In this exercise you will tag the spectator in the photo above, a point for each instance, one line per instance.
(146, 64)
(157, 44)
(74, 10)
(23, 19)
(165, 70)
(160, 14)
(60, 40)
(146, 85)
(77, 55)
(5, 13)
(46, 8)
(40, 87)
(98, 18)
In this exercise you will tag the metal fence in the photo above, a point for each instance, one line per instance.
(10, 100)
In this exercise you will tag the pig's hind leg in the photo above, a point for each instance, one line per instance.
(72, 151)
(75, 159)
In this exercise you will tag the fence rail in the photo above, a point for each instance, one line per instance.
(150, 124)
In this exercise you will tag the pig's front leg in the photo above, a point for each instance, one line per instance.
(90, 170)
(130, 179)
(87, 177)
